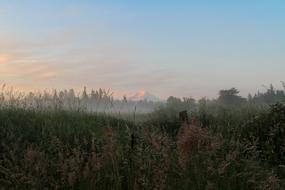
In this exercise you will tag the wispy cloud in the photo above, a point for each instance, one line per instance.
(26, 68)
(127, 47)
(31, 71)
(4, 58)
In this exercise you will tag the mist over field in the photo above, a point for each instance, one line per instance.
(153, 95)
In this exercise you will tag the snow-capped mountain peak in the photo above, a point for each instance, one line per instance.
(143, 95)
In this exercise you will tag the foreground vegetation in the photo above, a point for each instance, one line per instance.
(236, 144)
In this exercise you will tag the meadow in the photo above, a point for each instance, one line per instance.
(55, 141)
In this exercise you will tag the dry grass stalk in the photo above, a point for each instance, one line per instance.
(190, 140)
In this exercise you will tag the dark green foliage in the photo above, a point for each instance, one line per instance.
(271, 96)
(230, 96)
(75, 150)
(40, 149)
(267, 132)
(230, 144)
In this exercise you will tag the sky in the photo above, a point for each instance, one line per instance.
(167, 47)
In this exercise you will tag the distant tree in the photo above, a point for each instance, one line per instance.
(283, 84)
(71, 93)
(61, 95)
(249, 97)
(55, 96)
(93, 95)
(174, 103)
(190, 104)
(230, 96)
(84, 94)
(189, 101)
(124, 99)
(203, 116)
(202, 103)
(271, 96)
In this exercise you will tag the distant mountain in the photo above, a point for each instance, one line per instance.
(142, 95)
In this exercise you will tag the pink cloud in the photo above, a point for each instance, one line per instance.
(4, 58)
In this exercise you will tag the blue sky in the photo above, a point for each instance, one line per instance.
(181, 48)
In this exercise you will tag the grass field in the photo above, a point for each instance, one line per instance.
(239, 148)
(56, 141)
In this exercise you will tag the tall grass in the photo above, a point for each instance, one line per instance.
(224, 147)
(94, 101)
